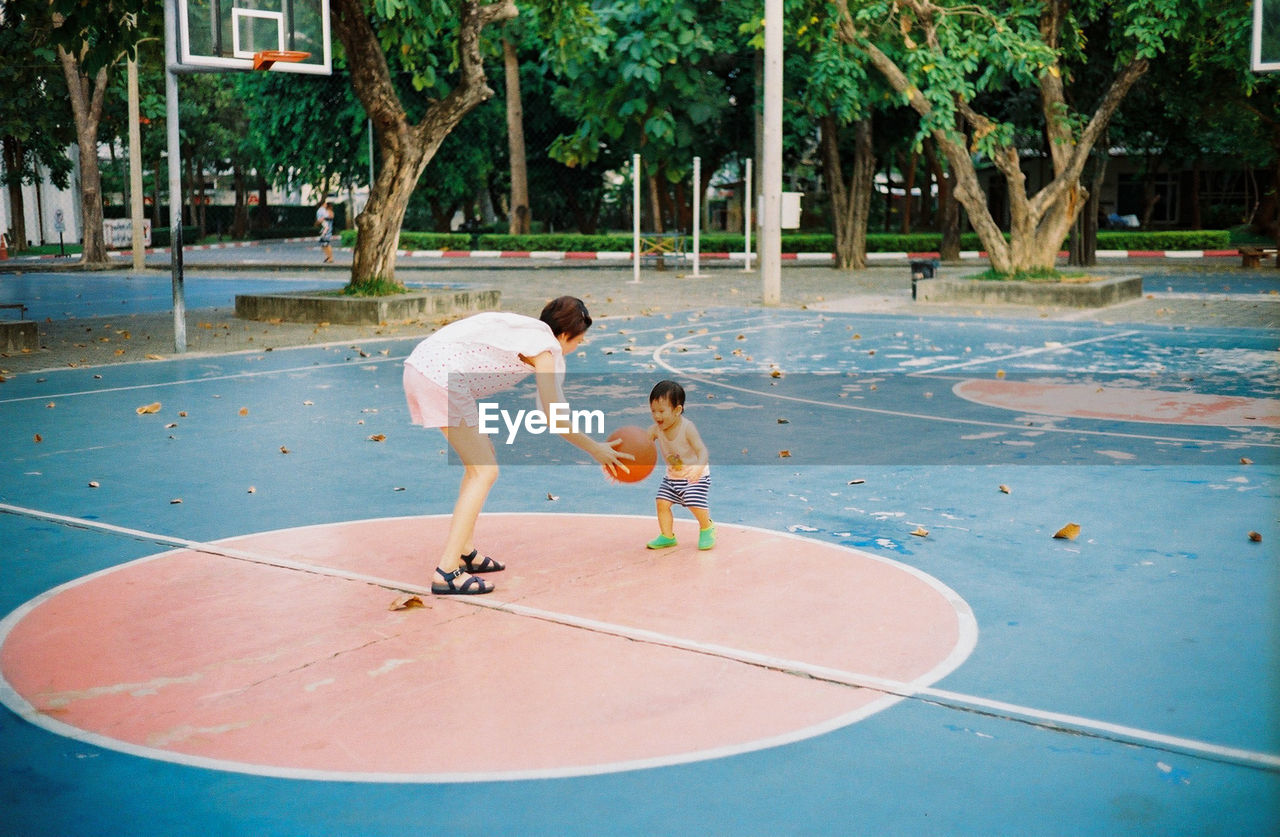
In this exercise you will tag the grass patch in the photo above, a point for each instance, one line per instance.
(1042, 274)
(378, 286)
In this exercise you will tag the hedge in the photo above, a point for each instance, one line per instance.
(719, 242)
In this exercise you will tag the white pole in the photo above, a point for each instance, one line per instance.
(175, 176)
(635, 217)
(747, 200)
(697, 209)
(135, 168)
(771, 166)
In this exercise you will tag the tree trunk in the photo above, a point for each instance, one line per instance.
(908, 185)
(86, 107)
(13, 154)
(404, 148)
(520, 220)
(850, 202)
(948, 209)
(240, 218)
(1083, 249)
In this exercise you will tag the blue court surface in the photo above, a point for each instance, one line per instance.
(1124, 681)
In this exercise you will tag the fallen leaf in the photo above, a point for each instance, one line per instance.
(999, 373)
(921, 532)
(1244, 460)
(283, 449)
(119, 352)
(784, 454)
(244, 411)
(856, 482)
(1256, 537)
(49, 405)
(1004, 489)
(38, 438)
(552, 497)
(406, 602)
(253, 490)
(93, 483)
(175, 501)
(1068, 532)
(148, 408)
(378, 437)
(154, 357)
(171, 425)
(398, 488)
(308, 403)
(784, 421)
(776, 373)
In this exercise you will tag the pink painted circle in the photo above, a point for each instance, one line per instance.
(278, 653)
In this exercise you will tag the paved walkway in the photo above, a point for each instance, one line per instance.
(1203, 292)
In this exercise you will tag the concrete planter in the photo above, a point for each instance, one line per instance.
(1095, 294)
(315, 307)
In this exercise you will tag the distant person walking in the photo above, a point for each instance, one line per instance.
(324, 220)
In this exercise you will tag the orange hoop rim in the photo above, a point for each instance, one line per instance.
(263, 59)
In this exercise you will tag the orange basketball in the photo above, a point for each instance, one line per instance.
(635, 441)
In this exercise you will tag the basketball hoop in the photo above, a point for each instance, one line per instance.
(265, 58)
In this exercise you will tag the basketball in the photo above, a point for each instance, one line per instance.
(635, 441)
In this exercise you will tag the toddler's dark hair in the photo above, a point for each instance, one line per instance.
(669, 391)
(566, 315)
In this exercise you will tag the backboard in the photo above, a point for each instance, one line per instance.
(223, 35)
(1266, 36)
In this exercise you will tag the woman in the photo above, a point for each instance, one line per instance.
(470, 359)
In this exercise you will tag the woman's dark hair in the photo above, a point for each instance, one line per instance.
(566, 315)
(669, 391)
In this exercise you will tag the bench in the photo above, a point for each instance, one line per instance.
(16, 306)
(1253, 256)
(656, 246)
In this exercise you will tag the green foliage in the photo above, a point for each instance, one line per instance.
(1035, 275)
(374, 286)
(1163, 240)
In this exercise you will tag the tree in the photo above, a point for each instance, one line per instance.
(405, 147)
(35, 122)
(89, 38)
(941, 57)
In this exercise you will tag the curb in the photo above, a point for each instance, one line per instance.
(626, 255)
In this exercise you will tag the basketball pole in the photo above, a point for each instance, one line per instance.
(770, 238)
(175, 175)
(697, 209)
(635, 218)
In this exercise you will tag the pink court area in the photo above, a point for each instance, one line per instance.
(593, 654)
(1121, 403)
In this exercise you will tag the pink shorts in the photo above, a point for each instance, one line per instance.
(431, 405)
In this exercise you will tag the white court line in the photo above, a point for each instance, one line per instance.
(1024, 353)
(913, 690)
(1045, 428)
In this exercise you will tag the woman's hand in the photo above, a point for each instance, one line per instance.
(612, 460)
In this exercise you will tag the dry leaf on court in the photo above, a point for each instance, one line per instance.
(552, 497)
(407, 601)
(49, 405)
(1004, 489)
(775, 373)
(856, 482)
(378, 437)
(283, 449)
(93, 483)
(1068, 532)
(148, 408)
(1256, 537)
(784, 421)
(154, 357)
(784, 454)
(244, 411)
(175, 501)
(1244, 460)
(253, 490)
(182, 414)
(999, 373)
(921, 532)
(37, 438)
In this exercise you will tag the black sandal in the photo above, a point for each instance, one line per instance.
(488, 565)
(473, 586)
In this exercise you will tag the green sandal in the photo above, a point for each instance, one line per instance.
(661, 542)
(707, 537)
